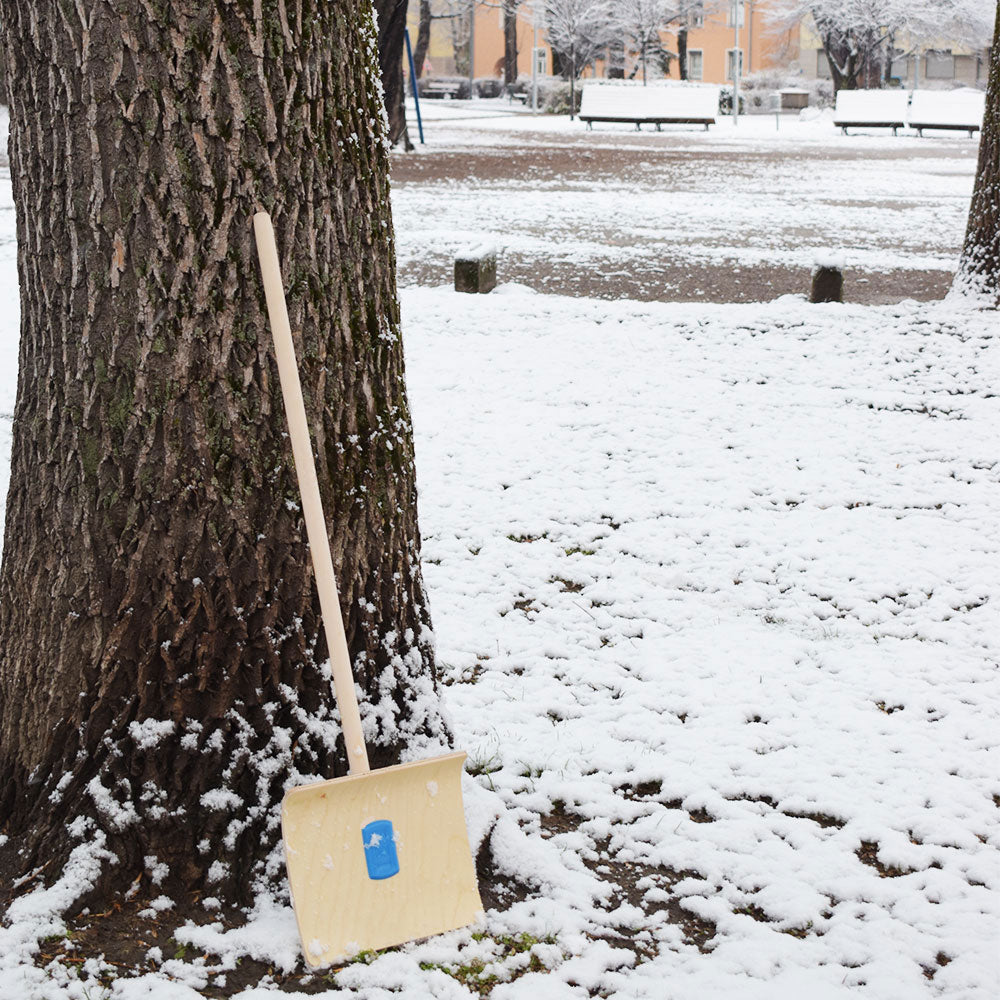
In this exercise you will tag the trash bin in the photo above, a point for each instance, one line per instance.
(793, 99)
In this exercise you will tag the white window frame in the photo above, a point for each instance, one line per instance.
(698, 16)
(741, 13)
(701, 64)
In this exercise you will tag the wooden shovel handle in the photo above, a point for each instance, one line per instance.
(312, 508)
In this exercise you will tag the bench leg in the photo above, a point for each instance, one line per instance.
(638, 127)
(658, 129)
(843, 130)
(894, 132)
(706, 126)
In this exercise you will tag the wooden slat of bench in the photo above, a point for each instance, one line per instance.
(865, 124)
(844, 126)
(920, 126)
(640, 120)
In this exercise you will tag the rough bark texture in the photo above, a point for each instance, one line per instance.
(979, 270)
(510, 42)
(423, 37)
(682, 52)
(159, 632)
(391, 29)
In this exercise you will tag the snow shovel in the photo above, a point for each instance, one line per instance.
(378, 857)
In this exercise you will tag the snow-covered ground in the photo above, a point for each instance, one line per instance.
(715, 591)
(768, 193)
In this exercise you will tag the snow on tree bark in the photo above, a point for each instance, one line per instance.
(160, 647)
(979, 269)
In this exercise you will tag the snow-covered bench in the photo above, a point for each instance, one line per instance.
(871, 109)
(961, 110)
(649, 105)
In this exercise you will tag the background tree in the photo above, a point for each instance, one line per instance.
(160, 650)
(391, 39)
(458, 14)
(425, 17)
(578, 31)
(643, 22)
(510, 41)
(647, 24)
(979, 269)
(859, 36)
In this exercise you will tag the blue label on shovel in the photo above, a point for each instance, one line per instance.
(380, 849)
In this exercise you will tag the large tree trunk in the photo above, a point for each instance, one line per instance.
(423, 37)
(159, 632)
(391, 31)
(510, 42)
(979, 269)
(682, 52)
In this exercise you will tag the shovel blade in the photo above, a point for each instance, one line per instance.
(380, 858)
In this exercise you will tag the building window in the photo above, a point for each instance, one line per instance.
(695, 64)
(822, 65)
(940, 66)
(737, 11)
(730, 61)
(698, 16)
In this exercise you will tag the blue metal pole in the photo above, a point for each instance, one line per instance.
(413, 84)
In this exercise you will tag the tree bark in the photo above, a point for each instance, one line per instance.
(423, 37)
(979, 268)
(161, 676)
(510, 42)
(682, 52)
(616, 59)
(391, 31)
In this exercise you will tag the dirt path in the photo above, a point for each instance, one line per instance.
(675, 258)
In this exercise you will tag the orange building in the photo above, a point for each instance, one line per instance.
(710, 42)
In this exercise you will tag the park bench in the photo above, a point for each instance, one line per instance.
(443, 87)
(959, 110)
(871, 109)
(657, 106)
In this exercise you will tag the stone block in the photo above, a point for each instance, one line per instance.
(827, 283)
(476, 270)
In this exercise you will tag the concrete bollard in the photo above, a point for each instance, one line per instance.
(827, 282)
(476, 269)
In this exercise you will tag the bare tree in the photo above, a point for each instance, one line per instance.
(510, 41)
(859, 36)
(423, 37)
(161, 661)
(979, 269)
(579, 31)
(648, 24)
(643, 22)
